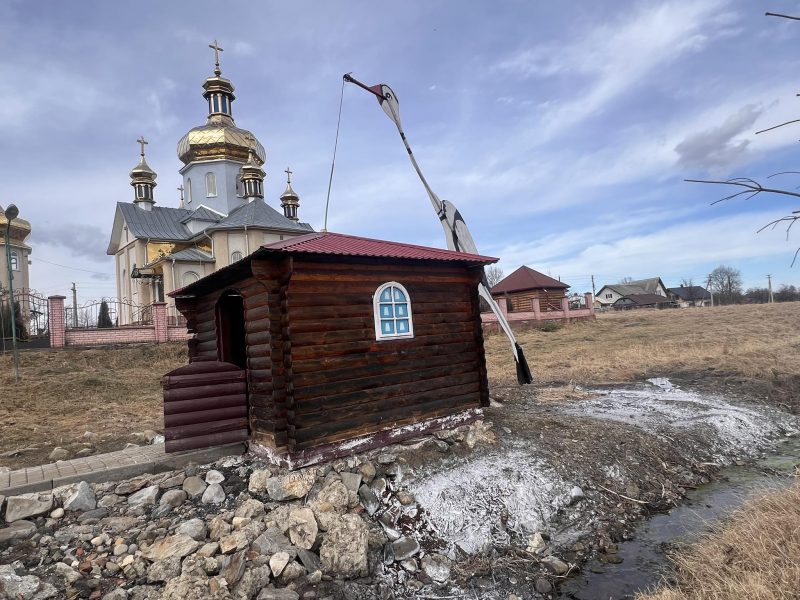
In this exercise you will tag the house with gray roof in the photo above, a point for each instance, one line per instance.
(221, 216)
(609, 294)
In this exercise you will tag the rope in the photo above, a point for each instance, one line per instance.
(333, 162)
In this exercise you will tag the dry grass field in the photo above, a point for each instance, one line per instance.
(115, 392)
(754, 346)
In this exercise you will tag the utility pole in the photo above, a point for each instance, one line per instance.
(10, 214)
(769, 286)
(593, 294)
(708, 287)
(74, 305)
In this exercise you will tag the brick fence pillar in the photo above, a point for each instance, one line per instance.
(502, 302)
(55, 321)
(537, 311)
(589, 302)
(565, 306)
(160, 321)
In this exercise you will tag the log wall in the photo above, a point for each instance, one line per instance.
(522, 301)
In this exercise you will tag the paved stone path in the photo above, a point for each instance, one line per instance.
(108, 467)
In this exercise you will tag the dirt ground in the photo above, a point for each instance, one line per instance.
(115, 392)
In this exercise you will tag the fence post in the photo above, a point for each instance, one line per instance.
(589, 302)
(160, 321)
(565, 306)
(55, 321)
(502, 302)
(537, 311)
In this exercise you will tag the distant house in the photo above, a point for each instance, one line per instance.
(643, 301)
(523, 285)
(608, 295)
(690, 295)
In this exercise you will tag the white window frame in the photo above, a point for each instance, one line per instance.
(14, 260)
(212, 179)
(379, 335)
(189, 274)
(188, 190)
(234, 258)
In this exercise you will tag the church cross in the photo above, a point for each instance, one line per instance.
(288, 175)
(215, 47)
(142, 143)
(180, 189)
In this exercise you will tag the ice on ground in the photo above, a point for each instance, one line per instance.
(466, 505)
(735, 428)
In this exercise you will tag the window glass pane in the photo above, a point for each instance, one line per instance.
(387, 326)
(386, 295)
(401, 310)
(386, 311)
(398, 295)
(402, 325)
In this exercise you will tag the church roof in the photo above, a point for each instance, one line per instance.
(191, 255)
(203, 213)
(259, 214)
(161, 223)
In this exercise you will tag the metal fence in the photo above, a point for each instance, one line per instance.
(107, 313)
(174, 317)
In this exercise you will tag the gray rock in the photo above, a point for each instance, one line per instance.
(302, 527)
(164, 570)
(109, 500)
(258, 481)
(130, 486)
(194, 486)
(58, 453)
(175, 545)
(18, 530)
(57, 513)
(404, 498)
(272, 541)
(575, 495)
(214, 494)
(214, 476)
(27, 505)
(85, 452)
(254, 579)
(310, 560)
(172, 482)
(404, 548)
(291, 486)
(543, 586)
(369, 499)
(344, 548)
(250, 508)
(69, 574)
(95, 515)
(116, 594)
(386, 458)
(17, 587)
(278, 562)
(144, 496)
(81, 497)
(367, 471)
(233, 566)
(194, 528)
(278, 594)
(292, 571)
(173, 498)
(555, 565)
(352, 481)
(437, 567)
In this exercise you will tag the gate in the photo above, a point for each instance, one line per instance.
(30, 310)
(205, 404)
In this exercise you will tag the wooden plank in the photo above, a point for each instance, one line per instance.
(377, 279)
(206, 416)
(206, 441)
(197, 429)
(368, 346)
(210, 390)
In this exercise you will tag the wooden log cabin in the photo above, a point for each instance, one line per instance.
(325, 343)
(524, 285)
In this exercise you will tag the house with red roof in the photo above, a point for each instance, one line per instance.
(324, 344)
(525, 285)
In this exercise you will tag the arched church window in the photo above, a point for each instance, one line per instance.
(188, 191)
(392, 308)
(190, 277)
(211, 185)
(236, 256)
(14, 261)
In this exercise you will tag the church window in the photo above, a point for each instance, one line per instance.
(236, 256)
(211, 185)
(239, 191)
(14, 261)
(392, 309)
(190, 277)
(188, 191)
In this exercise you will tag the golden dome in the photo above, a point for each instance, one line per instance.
(20, 228)
(219, 138)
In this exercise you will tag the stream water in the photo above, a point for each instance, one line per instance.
(644, 560)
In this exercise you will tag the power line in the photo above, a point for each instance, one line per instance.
(73, 268)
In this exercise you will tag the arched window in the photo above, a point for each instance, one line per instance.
(188, 191)
(392, 308)
(211, 185)
(14, 261)
(236, 256)
(190, 277)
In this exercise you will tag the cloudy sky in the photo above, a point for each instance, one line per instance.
(562, 131)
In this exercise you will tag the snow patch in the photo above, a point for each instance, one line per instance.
(466, 505)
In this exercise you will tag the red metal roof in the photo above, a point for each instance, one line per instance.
(526, 278)
(339, 244)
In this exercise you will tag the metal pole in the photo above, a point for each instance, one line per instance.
(11, 292)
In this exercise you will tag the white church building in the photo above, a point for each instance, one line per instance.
(222, 215)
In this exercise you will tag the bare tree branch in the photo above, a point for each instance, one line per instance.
(742, 182)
